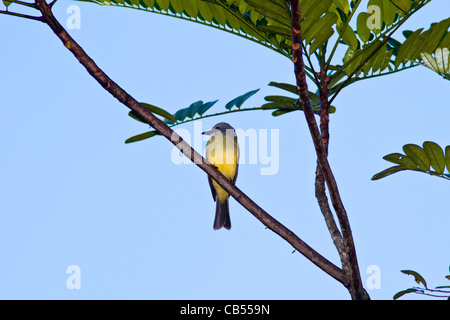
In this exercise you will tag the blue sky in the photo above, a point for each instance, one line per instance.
(139, 226)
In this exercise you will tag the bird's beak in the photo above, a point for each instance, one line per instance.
(210, 132)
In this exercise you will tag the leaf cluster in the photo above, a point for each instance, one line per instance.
(439, 62)
(439, 291)
(194, 111)
(366, 33)
(429, 159)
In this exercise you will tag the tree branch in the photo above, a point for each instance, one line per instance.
(320, 190)
(20, 15)
(336, 236)
(121, 95)
(355, 288)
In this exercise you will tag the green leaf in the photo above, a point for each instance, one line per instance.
(193, 109)
(315, 100)
(445, 42)
(180, 115)
(280, 30)
(6, 3)
(403, 160)
(278, 105)
(280, 99)
(159, 111)
(320, 31)
(429, 61)
(331, 109)
(312, 11)
(404, 5)
(206, 107)
(164, 4)
(419, 159)
(272, 11)
(442, 57)
(375, 18)
(378, 60)
(417, 277)
(149, 3)
(351, 61)
(447, 158)
(342, 17)
(374, 56)
(343, 5)
(389, 12)
(285, 86)
(142, 136)
(436, 156)
(349, 37)
(403, 292)
(135, 116)
(388, 172)
(395, 45)
(191, 8)
(416, 153)
(443, 287)
(436, 33)
(238, 101)
(411, 43)
(441, 61)
(280, 112)
(361, 26)
(177, 6)
(407, 33)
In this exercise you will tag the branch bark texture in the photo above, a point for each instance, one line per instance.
(355, 286)
(320, 187)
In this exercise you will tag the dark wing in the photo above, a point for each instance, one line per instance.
(237, 162)
(213, 191)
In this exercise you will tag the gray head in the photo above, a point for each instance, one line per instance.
(221, 128)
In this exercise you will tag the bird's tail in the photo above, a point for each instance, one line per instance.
(222, 218)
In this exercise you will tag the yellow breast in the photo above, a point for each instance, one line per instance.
(223, 152)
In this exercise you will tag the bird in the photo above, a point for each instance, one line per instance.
(222, 151)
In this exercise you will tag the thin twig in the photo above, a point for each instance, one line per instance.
(344, 83)
(316, 80)
(220, 114)
(20, 15)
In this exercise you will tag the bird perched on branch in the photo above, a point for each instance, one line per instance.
(222, 151)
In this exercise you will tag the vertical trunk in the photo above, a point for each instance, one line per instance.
(351, 267)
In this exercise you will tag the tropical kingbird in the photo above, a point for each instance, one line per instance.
(222, 151)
